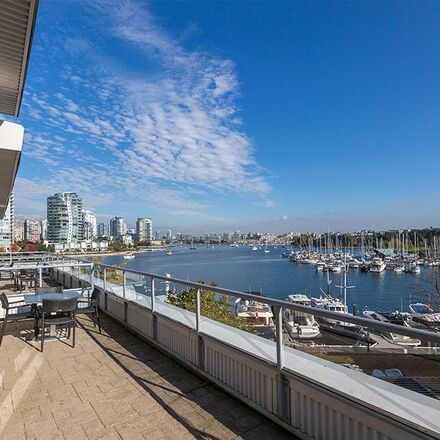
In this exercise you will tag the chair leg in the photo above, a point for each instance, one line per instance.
(73, 339)
(42, 333)
(99, 322)
(68, 331)
(5, 320)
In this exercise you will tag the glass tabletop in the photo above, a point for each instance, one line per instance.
(37, 298)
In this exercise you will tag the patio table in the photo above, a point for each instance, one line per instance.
(36, 299)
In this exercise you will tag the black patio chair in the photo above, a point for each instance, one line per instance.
(89, 306)
(24, 311)
(53, 289)
(6, 275)
(57, 312)
(27, 277)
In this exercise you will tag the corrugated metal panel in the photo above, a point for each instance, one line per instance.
(17, 20)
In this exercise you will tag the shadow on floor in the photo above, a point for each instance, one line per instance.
(177, 390)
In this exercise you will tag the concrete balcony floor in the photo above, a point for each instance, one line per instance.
(112, 386)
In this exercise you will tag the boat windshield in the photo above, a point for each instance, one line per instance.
(422, 308)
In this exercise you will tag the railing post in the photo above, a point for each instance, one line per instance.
(105, 279)
(200, 342)
(124, 283)
(92, 277)
(153, 309)
(40, 276)
(153, 297)
(281, 386)
(198, 311)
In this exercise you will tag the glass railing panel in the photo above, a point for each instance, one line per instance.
(114, 280)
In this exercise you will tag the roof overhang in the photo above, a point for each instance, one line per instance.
(17, 22)
(11, 143)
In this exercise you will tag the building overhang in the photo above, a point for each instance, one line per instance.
(17, 22)
(11, 143)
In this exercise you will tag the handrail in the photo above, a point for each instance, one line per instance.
(362, 322)
(45, 266)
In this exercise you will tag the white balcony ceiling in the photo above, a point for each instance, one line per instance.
(17, 20)
(11, 142)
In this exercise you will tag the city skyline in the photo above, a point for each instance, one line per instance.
(209, 127)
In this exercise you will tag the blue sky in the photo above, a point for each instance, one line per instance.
(212, 116)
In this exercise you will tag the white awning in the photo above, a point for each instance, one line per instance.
(17, 21)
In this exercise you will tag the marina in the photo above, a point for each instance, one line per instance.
(344, 287)
(276, 277)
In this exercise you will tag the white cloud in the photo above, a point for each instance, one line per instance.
(172, 136)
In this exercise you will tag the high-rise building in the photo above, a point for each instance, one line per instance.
(169, 234)
(7, 226)
(157, 235)
(44, 229)
(18, 231)
(144, 229)
(32, 230)
(103, 230)
(65, 222)
(90, 228)
(118, 227)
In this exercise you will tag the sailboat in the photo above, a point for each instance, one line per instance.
(332, 304)
(266, 250)
(192, 245)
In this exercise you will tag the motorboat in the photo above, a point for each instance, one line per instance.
(412, 267)
(354, 263)
(377, 265)
(299, 324)
(257, 314)
(399, 268)
(255, 248)
(169, 252)
(397, 318)
(129, 256)
(321, 266)
(424, 314)
(335, 267)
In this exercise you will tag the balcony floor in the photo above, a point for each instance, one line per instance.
(112, 386)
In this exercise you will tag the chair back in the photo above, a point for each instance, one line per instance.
(54, 289)
(95, 295)
(54, 306)
(4, 300)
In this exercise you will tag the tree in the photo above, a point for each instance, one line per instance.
(30, 247)
(431, 290)
(117, 246)
(15, 247)
(212, 306)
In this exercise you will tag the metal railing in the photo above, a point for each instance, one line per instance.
(278, 307)
(281, 305)
(41, 266)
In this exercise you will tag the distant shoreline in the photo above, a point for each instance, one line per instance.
(98, 254)
(111, 254)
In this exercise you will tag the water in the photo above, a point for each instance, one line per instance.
(276, 277)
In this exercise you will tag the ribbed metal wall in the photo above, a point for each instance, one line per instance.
(16, 26)
(253, 380)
